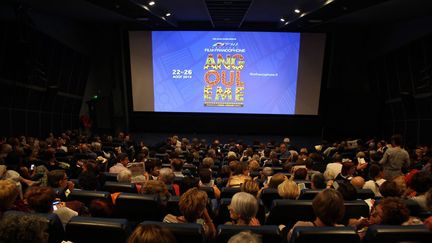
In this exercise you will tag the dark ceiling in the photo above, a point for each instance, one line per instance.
(313, 15)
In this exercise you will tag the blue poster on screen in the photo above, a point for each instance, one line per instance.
(225, 72)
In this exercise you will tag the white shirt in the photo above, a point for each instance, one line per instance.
(374, 186)
(334, 168)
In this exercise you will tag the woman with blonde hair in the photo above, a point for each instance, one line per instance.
(288, 189)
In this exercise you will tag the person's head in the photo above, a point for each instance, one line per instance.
(389, 211)
(100, 208)
(149, 233)
(243, 207)
(192, 204)
(205, 176)
(245, 236)
(124, 176)
(396, 140)
(40, 198)
(267, 171)
(348, 168)
(358, 182)
(283, 148)
(88, 181)
(276, 179)
(207, 162)
(348, 191)
(154, 187)
(421, 182)
(57, 178)
(177, 164)
(26, 228)
(288, 189)
(123, 159)
(390, 189)
(329, 206)
(375, 172)
(250, 187)
(300, 174)
(8, 193)
(318, 181)
(253, 165)
(400, 183)
(166, 175)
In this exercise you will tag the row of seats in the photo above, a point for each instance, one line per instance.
(87, 229)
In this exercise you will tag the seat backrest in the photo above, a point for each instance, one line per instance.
(110, 176)
(288, 212)
(138, 207)
(173, 205)
(268, 195)
(355, 209)
(112, 187)
(228, 192)
(55, 226)
(324, 234)
(306, 182)
(86, 197)
(309, 194)
(183, 232)
(365, 194)
(223, 214)
(392, 233)
(209, 190)
(88, 229)
(269, 233)
(414, 207)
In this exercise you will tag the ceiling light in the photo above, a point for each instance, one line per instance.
(297, 10)
(151, 3)
(168, 14)
(282, 20)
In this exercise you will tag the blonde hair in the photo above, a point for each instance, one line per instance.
(8, 193)
(288, 190)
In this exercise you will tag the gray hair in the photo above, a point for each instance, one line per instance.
(124, 176)
(166, 175)
(245, 205)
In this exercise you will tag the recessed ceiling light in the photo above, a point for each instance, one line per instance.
(168, 14)
(297, 10)
(282, 20)
(151, 3)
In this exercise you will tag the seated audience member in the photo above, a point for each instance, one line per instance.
(207, 163)
(402, 186)
(58, 180)
(124, 176)
(266, 174)
(347, 172)
(288, 189)
(300, 174)
(376, 180)
(239, 174)
(390, 189)
(177, 166)
(88, 178)
(152, 167)
(253, 166)
(245, 236)
(122, 161)
(276, 180)
(250, 187)
(421, 182)
(206, 180)
(389, 211)
(273, 160)
(167, 176)
(40, 200)
(328, 207)
(318, 181)
(243, 209)
(348, 191)
(150, 233)
(358, 182)
(8, 195)
(100, 208)
(156, 187)
(23, 229)
(192, 206)
(334, 168)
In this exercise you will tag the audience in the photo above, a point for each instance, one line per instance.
(243, 209)
(149, 233)
(23, 229)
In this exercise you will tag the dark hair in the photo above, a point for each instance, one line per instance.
(205, 175)
(395, 211)
(348, 191)
(318, 181)
(88, 181)
(421, 182)
(40, 198)
(374, 171)
(54, 177)
(121, 157)
(100, 208)
(390, 189)
(329, 206)
(149, 233)
(300, 174)
(396, 139)
(177, 164)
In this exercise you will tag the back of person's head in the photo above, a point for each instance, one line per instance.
(253, 165)
(244, 205)
(100, 208)
(8, 193)
(396, 140)
(276, 179)
(347, 168)
(40, 198)
(237, 168)
(389, 189)
(205, 175)
(358, 182)
(394, 211)
(121, 157)
(329, 206)
(421, 182)
(267, 171)
(250, 187)
(55, 177)
(207, 162)
(177, 164)
(300, 174)
(154, 187)
(400, 183)
(245, 237)
(192, 204)
(288, 189)
(166, 175)
(149, 233)
(26, 228)
(124, 176)
(374, 171)
(318, 181)
(348, 191)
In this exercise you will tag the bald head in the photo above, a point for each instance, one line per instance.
(358, 182)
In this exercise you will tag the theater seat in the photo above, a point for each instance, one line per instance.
(138, 207)
(112, 187)
(192, 233)
(228, 192)
(223, 214)
(269, 233)
(288, 212)
(110, 176)
(391, 233)
(268, 195)
(355, 209)
(209, 190)
(309, 194)
(324, 234)
(365, 194)
(86, 197)
(90, 229)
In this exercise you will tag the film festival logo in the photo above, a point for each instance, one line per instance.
(222, 80)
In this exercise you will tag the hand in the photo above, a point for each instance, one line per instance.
(254, 222)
